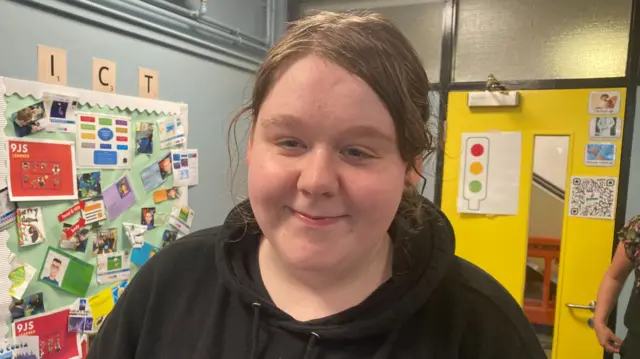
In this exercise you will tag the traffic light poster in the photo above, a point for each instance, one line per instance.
(489, 181)
(41, 170)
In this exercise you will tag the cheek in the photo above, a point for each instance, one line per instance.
(266, 177)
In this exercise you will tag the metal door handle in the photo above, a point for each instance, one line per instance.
(591, 307)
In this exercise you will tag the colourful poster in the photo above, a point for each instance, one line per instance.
(102, 303)
(41, 170)
(64, 271)
(118, 198)
(103, 141)
(55, 342)
(489, 180)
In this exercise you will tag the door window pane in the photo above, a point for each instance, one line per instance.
(541, 39)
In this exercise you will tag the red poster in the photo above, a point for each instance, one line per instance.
(51, 328)
(41, 170)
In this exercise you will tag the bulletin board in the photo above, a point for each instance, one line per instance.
(124, 119)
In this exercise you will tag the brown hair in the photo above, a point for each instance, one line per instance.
(372, 48)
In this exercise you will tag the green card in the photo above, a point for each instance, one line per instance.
(64, 271)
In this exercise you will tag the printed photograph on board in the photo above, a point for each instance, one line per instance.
(89, 185)
(30, 226)
(605, 128)
(30, 120)
(54, 269)
(104, 240)
(600, 154)
(604, 102)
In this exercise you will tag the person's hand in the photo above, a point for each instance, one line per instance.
(609, 341)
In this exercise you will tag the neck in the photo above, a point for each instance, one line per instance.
(313, 294)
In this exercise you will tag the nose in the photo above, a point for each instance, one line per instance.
(318, 175)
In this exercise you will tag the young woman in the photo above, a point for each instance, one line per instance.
(626, 259)
(334, 254)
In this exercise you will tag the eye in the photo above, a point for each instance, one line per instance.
(290, 144)
(356, 153)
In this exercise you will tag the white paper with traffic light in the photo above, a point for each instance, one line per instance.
(490, 173)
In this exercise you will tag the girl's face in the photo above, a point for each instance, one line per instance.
(148, 217)
(325, 175)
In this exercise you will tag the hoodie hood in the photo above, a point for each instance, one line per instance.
(421, 257)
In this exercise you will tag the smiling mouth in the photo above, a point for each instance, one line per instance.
(316, 220)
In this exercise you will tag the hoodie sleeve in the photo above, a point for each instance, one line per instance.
(495, 324)
(500, 339)
(119, 335)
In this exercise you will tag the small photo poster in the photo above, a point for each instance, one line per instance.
(113, 267)
(8, 209)
(147, 216)
(600, 154)
(140, 256)
(54, 340)
(166, 194)
(94, 211)
(77, 242)
(102, 303)
(66, 272)
(30, 226)
(181, 218)
(105, 240)
(601, 128)
(41, 170)
(604, 102)
(31, 119)
(156, 173)
(20, 276)
(171, 132)
(23, 347)
(118, 198)
(89, 185)
(30, 305)
(144, 137)
(169, 236)
(185, 167)
(80, 317)
(62, 112)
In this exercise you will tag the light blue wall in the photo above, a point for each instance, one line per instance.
(633, 208)
(187, 73)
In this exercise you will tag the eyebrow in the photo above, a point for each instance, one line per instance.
(358, 131)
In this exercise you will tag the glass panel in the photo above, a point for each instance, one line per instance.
(546, 213)
(542, 39)
(420, 23)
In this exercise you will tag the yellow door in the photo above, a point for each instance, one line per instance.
(498, 244)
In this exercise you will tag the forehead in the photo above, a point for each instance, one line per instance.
(324, 94)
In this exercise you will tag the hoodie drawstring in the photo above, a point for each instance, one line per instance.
(310, 344)
(255, 331)
(255, 336)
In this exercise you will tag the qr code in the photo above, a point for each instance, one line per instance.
(593, 197)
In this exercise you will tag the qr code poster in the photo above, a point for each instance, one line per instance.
(593, 197)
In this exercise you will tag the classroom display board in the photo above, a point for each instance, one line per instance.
(91, 186)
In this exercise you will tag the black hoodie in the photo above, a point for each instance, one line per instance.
(203, 298)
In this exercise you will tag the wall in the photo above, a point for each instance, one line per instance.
(633, 209)
(187, 73)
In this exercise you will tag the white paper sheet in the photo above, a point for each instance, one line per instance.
(593, 197)
(103, 141)
(489, 178)
(185, 167)
(171, 131)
